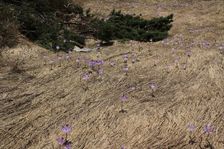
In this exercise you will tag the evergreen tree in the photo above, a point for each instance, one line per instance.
(44, 22)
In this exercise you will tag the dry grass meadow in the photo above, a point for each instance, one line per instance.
(36, 101)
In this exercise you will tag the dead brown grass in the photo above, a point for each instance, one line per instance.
(35, 104)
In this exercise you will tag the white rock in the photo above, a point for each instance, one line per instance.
(77, 49)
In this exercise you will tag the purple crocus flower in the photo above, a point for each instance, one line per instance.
(59, 58)
(153, 86)
(124, 98)
(66, 129)
(125, 69)
(100, 71)
(92, 63)
(191, 127)
(122, 147)
(86, 76)
(221, 47)
(133, 88)
(60, 140)
(68, 145)
(99, 62)
(208, 128)
(133, 60)
(125, 57)
(77, 60)
(184, 66)
(67, 57)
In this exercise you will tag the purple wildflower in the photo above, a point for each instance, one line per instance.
(99, 62)
(191, 127)
(208, 128)
(221, 47)
(153, 86)
(59, 58)
(122, 147)
(125, 57)
(133, 60)
(124, 98)
(125, 69)
(205, 44)
(86, 76)
(92, 63)
(133, 88)
(66, 129)
(60, 140)
(77, 60)
(68, 145)
(100, 72)
(67, 57)
(184, 66)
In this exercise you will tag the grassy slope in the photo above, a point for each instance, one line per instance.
(37, 102)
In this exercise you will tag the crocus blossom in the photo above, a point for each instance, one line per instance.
(60, 140)
(191, 127)
(86, 76)
(153, 86)
(208, 129)
(66, 129)
(124, 98)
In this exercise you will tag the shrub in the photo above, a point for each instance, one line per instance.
(120, 26)
(8, 27)
(38, 22)
(45, 22)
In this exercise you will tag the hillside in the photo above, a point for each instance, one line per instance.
(41, 94)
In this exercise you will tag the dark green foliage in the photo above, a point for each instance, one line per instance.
(45, 22)
(120, 26)
(8, 27)
(38, 22)
(104, 31)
